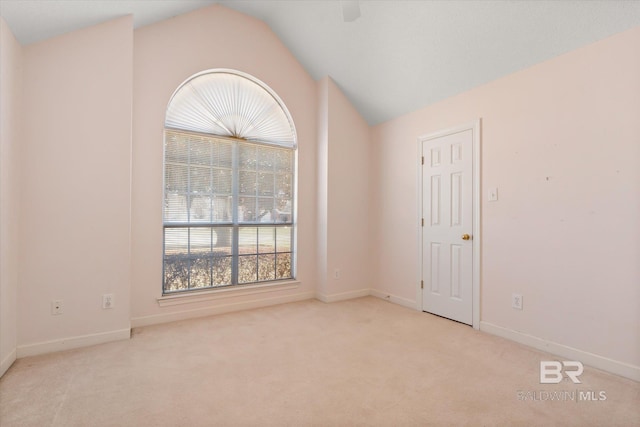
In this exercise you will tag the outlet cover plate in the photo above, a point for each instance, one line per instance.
(516, 301)
(107, 301)
(56, 307)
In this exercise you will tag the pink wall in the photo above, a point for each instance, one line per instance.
(75, 187)
(561, 141)
(10, 87)
(167, 53)
(344, 197)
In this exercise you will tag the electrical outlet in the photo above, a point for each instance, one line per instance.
(107, 301)
(336, 273)
(56, 307)
(516, 301)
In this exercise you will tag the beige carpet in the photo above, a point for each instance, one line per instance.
(363, 362)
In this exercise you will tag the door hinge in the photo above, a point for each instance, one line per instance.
(423, 160)
(422, 223)
(421, 284)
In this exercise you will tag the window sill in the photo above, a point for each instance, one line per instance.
(227, 292)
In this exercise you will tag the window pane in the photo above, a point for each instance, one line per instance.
(175, 207)
(176, 273)
(200, 274)
(200, 208)
(265, 210)
(176, 259)
(247, 269)
(200, 150)
(222, 250)
(175, 192)
(200, 241)
(266, 158)
(266, 267)
(266, 240)
(247, 209)
(247, 183)
(284, 161)
(283, 266)
(221, 181)
(265, 184)
(247, 157)
(284, 186)
(200, 180)
(283, 239)
(175, 177)
(222, 241)
(176, 241)
(199, 257)
(221, 271)
(248, 240)
(221, 209)
(283, 210)
(222, 154)
(176, 148)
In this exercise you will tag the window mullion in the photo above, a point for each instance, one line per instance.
(189, 257)
(235, 185)
(188, 195)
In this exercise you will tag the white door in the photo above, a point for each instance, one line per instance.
(447, 233)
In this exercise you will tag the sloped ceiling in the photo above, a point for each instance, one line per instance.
(397, 57)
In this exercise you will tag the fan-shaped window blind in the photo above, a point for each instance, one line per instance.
(229, 176)
(231, 104)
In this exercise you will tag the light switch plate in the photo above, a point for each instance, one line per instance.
(493, 194)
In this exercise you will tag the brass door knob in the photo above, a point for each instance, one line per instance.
(466, 237)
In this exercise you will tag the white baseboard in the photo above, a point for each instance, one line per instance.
(343, 296)
(72, 342)
(155, 319)
(599, 362)
(8, 361)
(394, 299)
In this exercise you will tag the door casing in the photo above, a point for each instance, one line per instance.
(476, 128)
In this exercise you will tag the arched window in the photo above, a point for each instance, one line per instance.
(229, 184)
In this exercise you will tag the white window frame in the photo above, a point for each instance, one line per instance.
(289, 143)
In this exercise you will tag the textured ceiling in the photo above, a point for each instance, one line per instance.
(397, 57)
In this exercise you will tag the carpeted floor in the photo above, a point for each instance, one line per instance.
(363, 362)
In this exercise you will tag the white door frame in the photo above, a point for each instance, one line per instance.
(475, 127)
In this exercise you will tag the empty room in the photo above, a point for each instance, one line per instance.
(319, 213)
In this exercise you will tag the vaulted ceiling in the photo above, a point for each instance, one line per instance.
(396, 57)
